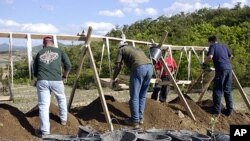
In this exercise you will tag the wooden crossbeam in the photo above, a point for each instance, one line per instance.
(179, 82)
(94, 38)
(5, 98)
(106, 82)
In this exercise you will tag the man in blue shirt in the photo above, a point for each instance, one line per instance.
(220, 55)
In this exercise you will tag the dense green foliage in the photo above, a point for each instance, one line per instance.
(231, 26)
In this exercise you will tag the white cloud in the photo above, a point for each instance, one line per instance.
(40, 28)
(133, 3)
(13, 26)
(234, 2)
(241, 1)
(100, 28)
(8, 23)
(116, 13)
(147, 11)
(192, 5)
(151, 11)
(179, 6)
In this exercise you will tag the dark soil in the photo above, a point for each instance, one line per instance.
(16, 125)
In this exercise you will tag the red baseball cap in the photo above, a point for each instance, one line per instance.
(47, 38)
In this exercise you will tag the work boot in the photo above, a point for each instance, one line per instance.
(129, 122)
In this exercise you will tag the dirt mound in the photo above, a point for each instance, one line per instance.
(158, 115)
(55, 126)
(94, 116)
(15, 125)
(224, 122)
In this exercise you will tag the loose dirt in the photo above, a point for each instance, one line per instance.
(16, 125)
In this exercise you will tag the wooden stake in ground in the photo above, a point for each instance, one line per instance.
(165, 66)
(244, 96)
(86, 49)
(164, 36)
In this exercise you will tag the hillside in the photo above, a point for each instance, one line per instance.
(231, 26)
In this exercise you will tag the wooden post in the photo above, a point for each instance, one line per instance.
(108, 50)
(29, 54)
(165, 66)
(178, 89)
(244, 96)
(207, 83)
(83, 52)
(100, 90)
(11, 59)
(163, 38)
(86, 48)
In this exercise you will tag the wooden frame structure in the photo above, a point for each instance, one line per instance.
(86, 49)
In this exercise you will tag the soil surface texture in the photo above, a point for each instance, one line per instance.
(19, 126)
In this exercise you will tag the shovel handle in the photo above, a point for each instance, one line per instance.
(163, 38)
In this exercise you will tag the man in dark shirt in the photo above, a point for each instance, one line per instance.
(47, 70)
(140, 74)
(220, 55)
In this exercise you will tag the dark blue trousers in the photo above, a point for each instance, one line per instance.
(164, 89)
(222, 85)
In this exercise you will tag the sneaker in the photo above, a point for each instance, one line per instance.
(141, 121)
(64, 123)
(129, 122)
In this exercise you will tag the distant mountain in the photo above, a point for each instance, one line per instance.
(35, 49)
(5, 47)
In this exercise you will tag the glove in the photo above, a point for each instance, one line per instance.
(204, 66)
(64, 79)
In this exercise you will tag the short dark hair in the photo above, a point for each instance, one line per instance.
(212, 38)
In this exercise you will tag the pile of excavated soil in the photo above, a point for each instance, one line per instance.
(158, 115)
(13, 124)
(55, 125)
(16, 125)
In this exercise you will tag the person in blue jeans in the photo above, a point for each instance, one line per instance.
(220, 55)
(141, 72)
(48, 71)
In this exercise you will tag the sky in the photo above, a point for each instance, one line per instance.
(73, 16)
